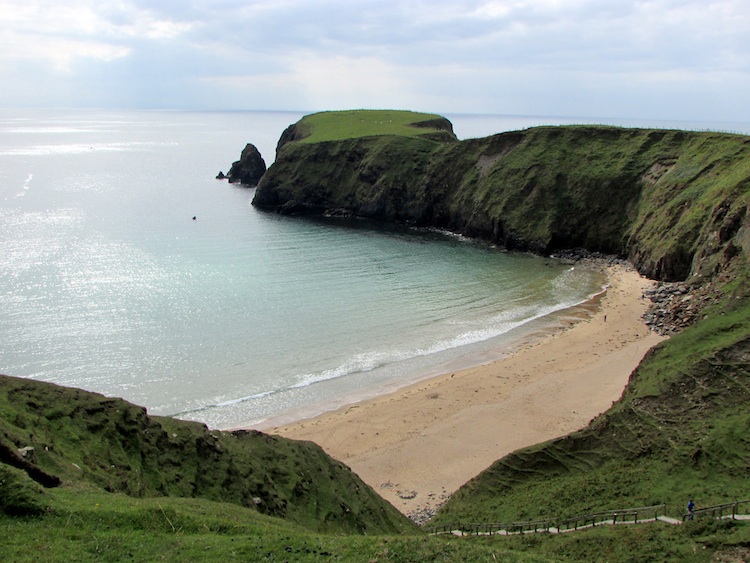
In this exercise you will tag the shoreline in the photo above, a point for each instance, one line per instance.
(418, 444)
(505, 344)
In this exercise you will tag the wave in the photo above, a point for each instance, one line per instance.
(368, 362)
(227, 403)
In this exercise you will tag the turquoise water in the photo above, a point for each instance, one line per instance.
(107, 283)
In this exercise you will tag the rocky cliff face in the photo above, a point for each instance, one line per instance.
(674, 202)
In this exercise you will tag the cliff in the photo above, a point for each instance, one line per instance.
(673, 202)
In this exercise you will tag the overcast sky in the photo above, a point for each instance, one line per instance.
(667, 59)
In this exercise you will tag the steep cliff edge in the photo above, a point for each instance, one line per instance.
(674, 202)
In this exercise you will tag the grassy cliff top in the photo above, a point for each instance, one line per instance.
(340, 125)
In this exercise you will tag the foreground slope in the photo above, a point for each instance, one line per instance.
(85, 438)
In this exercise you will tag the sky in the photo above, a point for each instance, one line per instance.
(665, 59)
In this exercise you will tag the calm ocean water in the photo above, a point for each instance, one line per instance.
(108, 284)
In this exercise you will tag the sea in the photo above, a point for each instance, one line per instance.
(128, 269)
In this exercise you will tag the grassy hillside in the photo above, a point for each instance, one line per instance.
(81, 521)
(85, 438)
(121, 485)
(655, 196)
(86, 524)
(332, 126)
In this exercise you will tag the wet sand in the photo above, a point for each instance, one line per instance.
(417, 445)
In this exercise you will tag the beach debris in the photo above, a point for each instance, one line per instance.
(676, 305)
(423, 514)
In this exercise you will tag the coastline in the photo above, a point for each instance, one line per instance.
(419, 444)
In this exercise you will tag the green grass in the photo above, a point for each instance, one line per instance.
(85, 438)
(84, 524)
(340, 125)
(701, 541)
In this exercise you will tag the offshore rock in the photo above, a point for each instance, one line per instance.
(249, 169)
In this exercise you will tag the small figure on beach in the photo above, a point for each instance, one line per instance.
(691, 509)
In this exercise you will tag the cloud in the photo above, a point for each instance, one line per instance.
(350, 81)
(59, 52)
(538, 56)
(61, 33)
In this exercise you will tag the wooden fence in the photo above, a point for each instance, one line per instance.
(735, 510)
(728, 510)
(630, 515)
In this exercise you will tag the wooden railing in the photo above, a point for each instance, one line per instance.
(727, 510)
(630, 515)
(488, 529)
(610, 517)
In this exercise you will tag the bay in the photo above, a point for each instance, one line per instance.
(127, 269)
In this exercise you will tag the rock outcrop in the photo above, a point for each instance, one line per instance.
(249, 169)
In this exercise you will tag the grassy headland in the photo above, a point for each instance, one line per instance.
(340, 125)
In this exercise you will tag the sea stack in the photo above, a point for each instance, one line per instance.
(249, 169)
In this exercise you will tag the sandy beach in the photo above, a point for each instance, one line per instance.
(418, 445)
